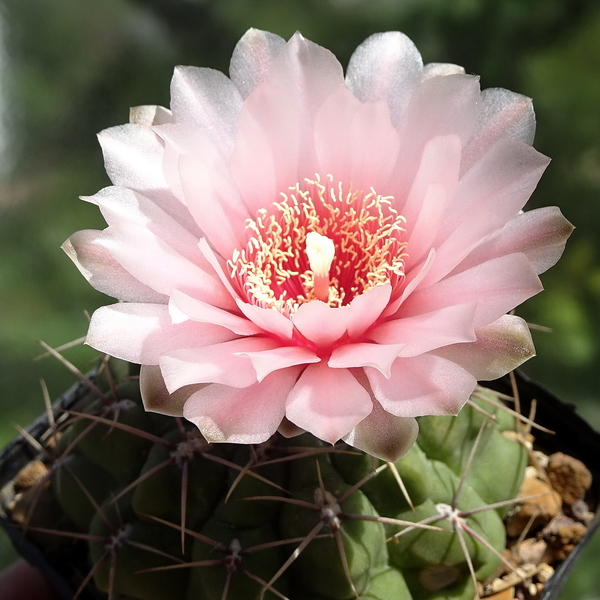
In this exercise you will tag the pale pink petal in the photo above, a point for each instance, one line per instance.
(273, 150)
(202, 312)
(288, 429)
(413, 279)
(327, 402)
(204, 189)
(383, 435)
(310, 317)
(169, 256)
(356, 142)
(434, 201)
(241, 416)
(154, 186)
(501, 347)
(103, 272)
(149, 115)
(366, 308)
(209, 99)
(487, 197)
(224, 363)
(253, 163)
(439, 106)
(422, 385)
(427, 331)
(386, 66)
(133, 157)
(198, 173)
(140, 333)
(441, 69)
(434, 187)
(156, 264)
(252, 58)
(209, 193)
(540, 234)
(268, 319)
(280, 357)
(501, 182)
(439, 163)
(155, 396)
(120, 205)
(502, 114)
(497, 286)
(378, 356)
(311, 70)
(219, 266)
(186, 139)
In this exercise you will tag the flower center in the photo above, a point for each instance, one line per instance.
(322, 241)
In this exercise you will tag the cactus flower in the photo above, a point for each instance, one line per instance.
(295, 249)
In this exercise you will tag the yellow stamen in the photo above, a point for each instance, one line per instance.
(321, 241)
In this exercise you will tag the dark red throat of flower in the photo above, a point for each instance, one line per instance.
(321, 241)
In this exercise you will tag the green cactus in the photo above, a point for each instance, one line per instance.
(163, 514)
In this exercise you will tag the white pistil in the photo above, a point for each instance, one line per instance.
(320, 251)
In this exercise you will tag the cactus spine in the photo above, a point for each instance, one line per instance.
(164, 515)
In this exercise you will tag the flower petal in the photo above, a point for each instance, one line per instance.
(502, 114)
(501, 347)
(149, 115)
(433, 188)
(103, 272)
(383, 435)
(119, 204)
(327, 402)
(204, 190)
(540, 234)
(273, 150)
(155, 396)
(209, 99)
(224, 363)
(441, 69)
(427, 331)
(252, 58)
(366, 308)
(133, 157)
(242, 416)
(268, 319)
(202, 312)
(386, 66)
(439, 106)
(487, 197)
(156, 264)
(355, 142)
(422, 385)
(279, 357)
(497, 286)
(310, 318)
(140, 333)
(378, 356)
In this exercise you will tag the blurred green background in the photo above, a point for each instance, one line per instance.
(69, 68)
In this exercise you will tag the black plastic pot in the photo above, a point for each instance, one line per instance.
(17, 454)
(572, 435)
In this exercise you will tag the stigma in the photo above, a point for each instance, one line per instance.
(320, 251)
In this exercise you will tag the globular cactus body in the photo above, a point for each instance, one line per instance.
(166, 515)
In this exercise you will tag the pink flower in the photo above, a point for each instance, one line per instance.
(296, 250)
